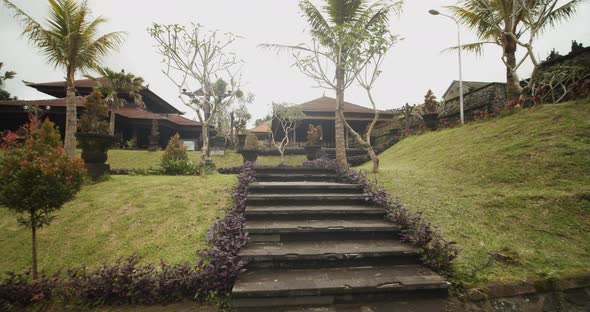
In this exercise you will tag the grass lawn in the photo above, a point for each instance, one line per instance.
(517, 185)
(143, 159)
(157, 216)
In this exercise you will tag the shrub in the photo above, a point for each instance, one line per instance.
(430, 103)
(94, 119)
(251, 143)
(37, 178)
(180, 167)
(17, 290)
(314, 133)
(175, 159)
(175, 150)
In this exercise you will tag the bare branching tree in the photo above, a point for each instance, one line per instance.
(288, 117)
(336, 55)
(196, 61)
(366, 48)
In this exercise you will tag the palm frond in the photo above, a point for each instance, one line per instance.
(562, 13)
(344, 11)
(32, 28)
(314, 17)
(476, 47)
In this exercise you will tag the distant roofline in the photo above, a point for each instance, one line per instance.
(89, 83)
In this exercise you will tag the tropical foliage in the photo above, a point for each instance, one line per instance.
(175, 158)
(94, 117)
(117, 88)
(37, 177)
(4, 95)
(343, 32)
(71, 41)
(509, 24)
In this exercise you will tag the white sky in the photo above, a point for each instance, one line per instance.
(411, 68)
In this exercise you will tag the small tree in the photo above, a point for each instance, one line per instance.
(175, 158)
(195, 61)
(37, 178)
(407, 110)
(4, 95)
(288, 118)
(251, 143)
(95, 115)
(430, 105)
(116, 86)
(314, 133)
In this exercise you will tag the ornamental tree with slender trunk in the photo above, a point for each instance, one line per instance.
(287, 118)
(117, 88)
(509, 24)
(70, 40)
(332, 40)
(195, 61)
(37, 177)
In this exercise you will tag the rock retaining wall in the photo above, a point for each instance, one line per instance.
(570, 293)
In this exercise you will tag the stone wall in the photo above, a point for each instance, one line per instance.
(486, 98)
(570, 293)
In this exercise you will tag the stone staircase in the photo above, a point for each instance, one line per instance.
(315, 242)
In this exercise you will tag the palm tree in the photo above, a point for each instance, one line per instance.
(118, 87)
(337, 13)
(69, 40)
(503, 22)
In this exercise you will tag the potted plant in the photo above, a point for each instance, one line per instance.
(94, 138)
(430, 111)
(250, 150)
(313, 147)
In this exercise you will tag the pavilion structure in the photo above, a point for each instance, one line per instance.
(156, 116)
(322, 112)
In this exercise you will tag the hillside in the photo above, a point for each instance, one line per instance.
(515, 189)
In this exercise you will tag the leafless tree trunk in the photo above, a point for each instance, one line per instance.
(34, 245)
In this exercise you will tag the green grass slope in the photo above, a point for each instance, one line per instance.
(516, 187)
(159, 217)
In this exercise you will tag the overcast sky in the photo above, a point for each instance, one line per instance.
(412, 67)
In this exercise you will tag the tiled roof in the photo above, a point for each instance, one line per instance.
(82, 83)
(179, 120)
(328, 104)
(262, 128)
(128, 112)
(138, 113)
(49, 102)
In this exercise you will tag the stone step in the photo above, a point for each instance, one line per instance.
(405, 303)
(328, 254)
(355, 212)
(284, 177)
(291, 170)
(266, 288)
(307, 198)
(305, 230)
(303, 187)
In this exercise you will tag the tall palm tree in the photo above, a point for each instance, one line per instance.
(334, 14)
(69, 40)
(118, 87)
(495, 21)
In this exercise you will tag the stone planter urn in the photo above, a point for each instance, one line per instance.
(94, 152)
(249, 155)
(313, 151)
(431, 120)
